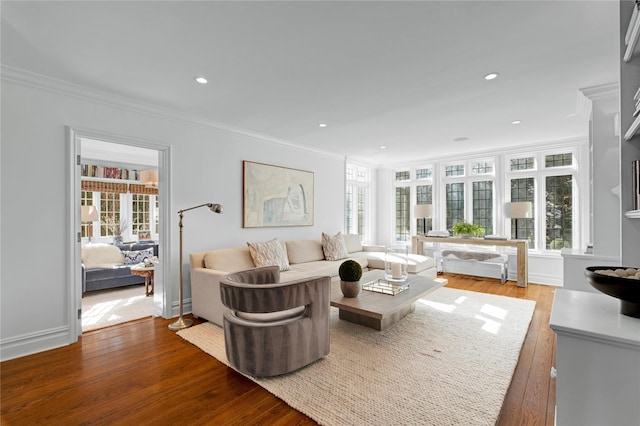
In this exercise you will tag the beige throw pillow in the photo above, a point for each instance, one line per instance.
(334, 247)
(269, 253)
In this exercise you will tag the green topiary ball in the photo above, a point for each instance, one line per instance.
(350, 270)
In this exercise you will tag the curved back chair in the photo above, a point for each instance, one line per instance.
(272, 327)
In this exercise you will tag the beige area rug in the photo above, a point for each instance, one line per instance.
(110, 307)
(448, 363)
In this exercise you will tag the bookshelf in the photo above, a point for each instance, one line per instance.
(630, 125)
(106, 172)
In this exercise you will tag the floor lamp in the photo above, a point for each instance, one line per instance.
(423, 211)
(520, 210)
(182, 322)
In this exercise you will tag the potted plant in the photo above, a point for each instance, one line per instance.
(115, 228)
(350, 273)
(465, 229)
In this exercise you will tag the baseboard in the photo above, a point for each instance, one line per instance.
(186, 308)
(32, 343)
(551, 280)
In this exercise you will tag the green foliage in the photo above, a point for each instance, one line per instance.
(350, 270)
(464, 228)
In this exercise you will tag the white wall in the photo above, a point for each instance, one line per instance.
(206, 166)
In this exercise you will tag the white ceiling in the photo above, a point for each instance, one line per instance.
(408, 75)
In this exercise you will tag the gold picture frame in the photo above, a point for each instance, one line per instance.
(275, 196)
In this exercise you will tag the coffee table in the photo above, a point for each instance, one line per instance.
(147, 273)
(377, 310)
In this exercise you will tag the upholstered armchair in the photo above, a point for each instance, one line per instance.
(273, 328)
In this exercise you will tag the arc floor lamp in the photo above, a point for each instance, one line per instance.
(182, 322)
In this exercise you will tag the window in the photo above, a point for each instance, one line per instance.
(422, 174)
(470, 198)
(157, 215)
(552, 189)
(483, 168)
(424, 195)
(86, 199)
(403, 213)
(456, 170)
(455, 204)
(412, 186)
(357, 201)
(527, 163)
(523, 189)
(404, 175)
(109, 212)
(483, 204)
(558, 160)
(467, 190)
(141, 212)
(559, 203)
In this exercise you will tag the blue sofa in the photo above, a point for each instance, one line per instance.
(118, 275)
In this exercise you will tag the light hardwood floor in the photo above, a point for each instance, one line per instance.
(142, 373)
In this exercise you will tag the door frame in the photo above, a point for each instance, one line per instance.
(163, 294)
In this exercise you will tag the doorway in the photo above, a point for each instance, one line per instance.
(115, 189)
(119, 190)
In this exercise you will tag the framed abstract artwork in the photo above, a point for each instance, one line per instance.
(276, 196)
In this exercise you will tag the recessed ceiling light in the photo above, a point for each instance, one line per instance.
(322, 125)
(491, 76)
(201, 80)
(462, 138)
(516, 122)
(383, 147)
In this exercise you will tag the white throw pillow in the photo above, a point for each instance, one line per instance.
(334, 247)
(269, 253)
(352, 242)
(101, 256)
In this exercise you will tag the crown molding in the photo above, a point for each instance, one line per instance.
(492, 153)
(601, 90)
(26, 78)
(587, 95)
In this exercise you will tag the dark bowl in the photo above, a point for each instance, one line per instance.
(625, 289)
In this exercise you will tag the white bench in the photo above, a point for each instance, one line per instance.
(469, 257)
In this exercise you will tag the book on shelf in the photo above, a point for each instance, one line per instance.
(90, 170)
(635, 185)
(632, 22)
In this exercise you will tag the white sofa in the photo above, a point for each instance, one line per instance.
(306, 259)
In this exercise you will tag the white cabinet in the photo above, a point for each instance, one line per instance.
(574, 264)
(597, 360)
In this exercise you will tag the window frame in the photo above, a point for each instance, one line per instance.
(539, 173)
(126, 214)
(467, 179)
(502, 175)
(412, 183)
(354, 205)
